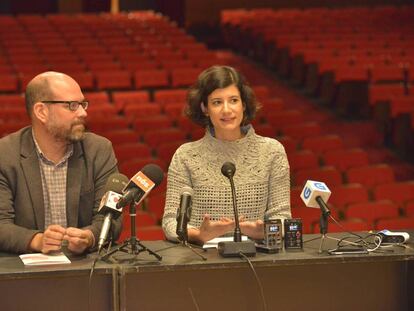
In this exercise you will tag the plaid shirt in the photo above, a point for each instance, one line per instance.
(54, 187)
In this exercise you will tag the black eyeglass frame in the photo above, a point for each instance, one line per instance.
(72, 104)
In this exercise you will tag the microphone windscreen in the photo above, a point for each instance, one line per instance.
(228, 169)
(312, 190)
(116, 182)
(153, 172)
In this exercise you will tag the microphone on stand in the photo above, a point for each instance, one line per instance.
(236, 247)
(184, 213)
(108, 205)
(138, 187)
(315, 194)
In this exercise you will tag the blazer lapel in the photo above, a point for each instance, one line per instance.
(31, 171)
(73, 185)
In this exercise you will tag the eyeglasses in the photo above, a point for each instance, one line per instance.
(73, 105)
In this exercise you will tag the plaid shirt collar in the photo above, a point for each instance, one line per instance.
(69, 152)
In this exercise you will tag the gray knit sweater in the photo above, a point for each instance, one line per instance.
(262, 180)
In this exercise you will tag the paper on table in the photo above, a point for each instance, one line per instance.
(40, 259)
(214, 242)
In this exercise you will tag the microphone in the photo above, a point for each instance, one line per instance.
(108, 205)
(235, 247)
(140, 185)
(316, 194)
(184, 213)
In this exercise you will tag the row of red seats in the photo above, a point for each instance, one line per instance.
(344, 67)
(113, 79)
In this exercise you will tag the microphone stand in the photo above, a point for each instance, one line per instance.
(323, 225)
(236, 247)
(186, 244)
(133, 244)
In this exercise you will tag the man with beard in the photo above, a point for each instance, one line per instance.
(52, 173)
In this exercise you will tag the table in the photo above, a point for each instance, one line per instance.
(57, 287)
(296, 280)
(304, 280)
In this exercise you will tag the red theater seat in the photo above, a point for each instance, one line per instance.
(151, 78)
(354, 225)
(165, 151)
(371, 175)
(122, 136)
(121, 98)
(346, 158)
(265, 130)
(133, 111)
(328, 174)
(86, 80)
(301, 131)
(398, 192)
(280, 119)
(157, 136)
(12, 100)
(372, 211)
(8, 83)
(156, 204)
(100, 124)
(400, 223)
(272, 105)
(132, 166)
(343, 195)
(304, 159)
(114, 79)
(153, 233)
(97, 98)
(321, 144)
(184, 76)
(174, 110)
(170, 96)
(290, 144)
(310, 217)
(409, 209)
(146, 124)
(127, 151)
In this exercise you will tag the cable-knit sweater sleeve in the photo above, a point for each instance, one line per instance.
(178, 177)
(279, 184)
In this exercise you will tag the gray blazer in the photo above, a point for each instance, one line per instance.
(22, 211)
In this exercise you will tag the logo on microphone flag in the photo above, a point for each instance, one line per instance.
(143, 181)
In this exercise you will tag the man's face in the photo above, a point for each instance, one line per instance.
(63, 123)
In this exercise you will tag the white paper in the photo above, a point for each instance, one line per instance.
(214, 242)
(39, 259)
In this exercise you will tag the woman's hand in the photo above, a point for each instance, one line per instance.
(210, 229)
(253, 229)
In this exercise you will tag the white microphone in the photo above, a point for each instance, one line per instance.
(316, 194)
(184, 213)
(108, 205)
(140, 185)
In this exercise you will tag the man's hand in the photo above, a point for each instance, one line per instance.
(210, 229)
(78, 239)
(50, 240)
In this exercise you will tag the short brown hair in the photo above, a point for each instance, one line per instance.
(218, 77)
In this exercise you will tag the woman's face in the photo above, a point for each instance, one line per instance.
(225, 110)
